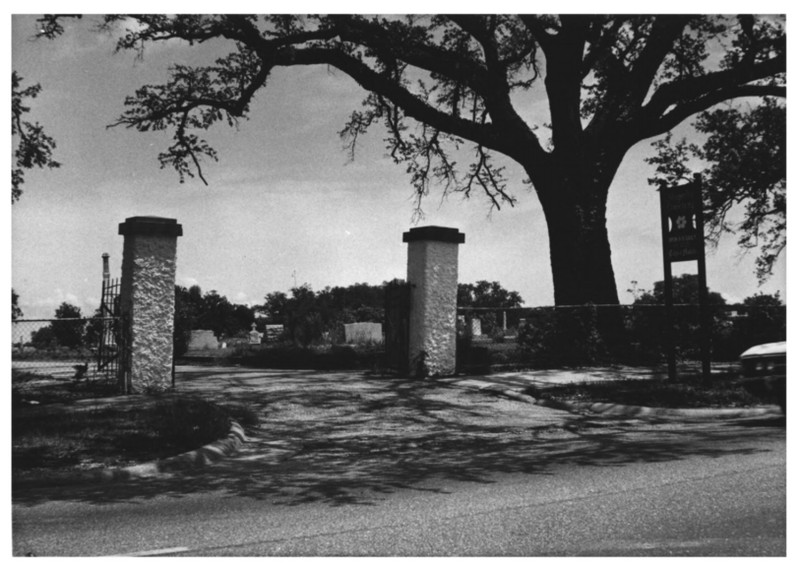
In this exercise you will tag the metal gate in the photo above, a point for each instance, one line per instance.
(112, 351)
(398, 301)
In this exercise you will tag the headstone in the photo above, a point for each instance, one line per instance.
(363, 332)
(203, 340)
(254, 336)
(272, 332)
(476, 327)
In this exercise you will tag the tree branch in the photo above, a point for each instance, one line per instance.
(674, 93)
(485, 134)
(686, 109)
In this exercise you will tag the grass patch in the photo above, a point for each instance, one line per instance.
(52, 432)
(725, 391)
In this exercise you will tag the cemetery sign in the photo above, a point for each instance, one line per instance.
(682, 239)
(682, 222)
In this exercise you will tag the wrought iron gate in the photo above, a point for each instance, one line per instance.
(398, 299)
(112, 351)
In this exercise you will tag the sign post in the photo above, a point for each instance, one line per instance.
(682, 239)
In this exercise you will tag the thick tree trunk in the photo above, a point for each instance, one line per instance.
(580, 254)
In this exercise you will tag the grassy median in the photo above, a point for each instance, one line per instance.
(56, 426)
(726, 390)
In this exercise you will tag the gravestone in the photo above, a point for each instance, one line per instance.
(476, 327)
(202, 340)
(363, 332)
(254, 336)
(272, 332)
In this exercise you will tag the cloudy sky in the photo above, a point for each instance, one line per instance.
(283, 205)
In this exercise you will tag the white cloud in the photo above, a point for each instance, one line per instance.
(188, 282)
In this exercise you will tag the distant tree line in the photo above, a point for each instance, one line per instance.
(308, 315)
(195, 310)
(65, 333)
(561, 335)
(485, 294)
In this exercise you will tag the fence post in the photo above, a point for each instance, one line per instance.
(147, 294)
(433, 278)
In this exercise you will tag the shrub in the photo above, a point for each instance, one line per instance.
(562, 337)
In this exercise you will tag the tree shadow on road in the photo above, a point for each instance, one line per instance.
(339, 440)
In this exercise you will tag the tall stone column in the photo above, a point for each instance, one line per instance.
(147, 293)
(433, 277)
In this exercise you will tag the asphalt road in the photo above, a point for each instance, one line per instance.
(591, 488)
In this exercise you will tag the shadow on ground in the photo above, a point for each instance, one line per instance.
(341, 439)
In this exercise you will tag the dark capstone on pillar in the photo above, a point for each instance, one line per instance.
(433, 276)
(147, 294)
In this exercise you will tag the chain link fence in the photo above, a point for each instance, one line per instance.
(78, 349)
(574, 336)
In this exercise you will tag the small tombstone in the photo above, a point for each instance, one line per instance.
(476, 327)
(254, 336)
(202, 340)
(272, 332)
(361, 332)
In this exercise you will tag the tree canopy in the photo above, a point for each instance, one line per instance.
(685, 290)
(16, 311)
(745, 157)
(485, 294)
(457, 96)
(306, 314)
(34, 147)
(195, 310)
(68, 332)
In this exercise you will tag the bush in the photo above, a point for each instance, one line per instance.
(562, 337)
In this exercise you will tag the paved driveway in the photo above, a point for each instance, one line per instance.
(335, 435)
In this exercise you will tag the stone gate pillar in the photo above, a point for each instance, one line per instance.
(433, 277)
(147, 299)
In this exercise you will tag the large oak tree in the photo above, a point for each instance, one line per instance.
(443, 86)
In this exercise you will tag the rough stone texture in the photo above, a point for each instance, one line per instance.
(361, 332)
(203, 340)
(148, 294)
(433, 275)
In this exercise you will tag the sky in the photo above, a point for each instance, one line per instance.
(284, 205)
